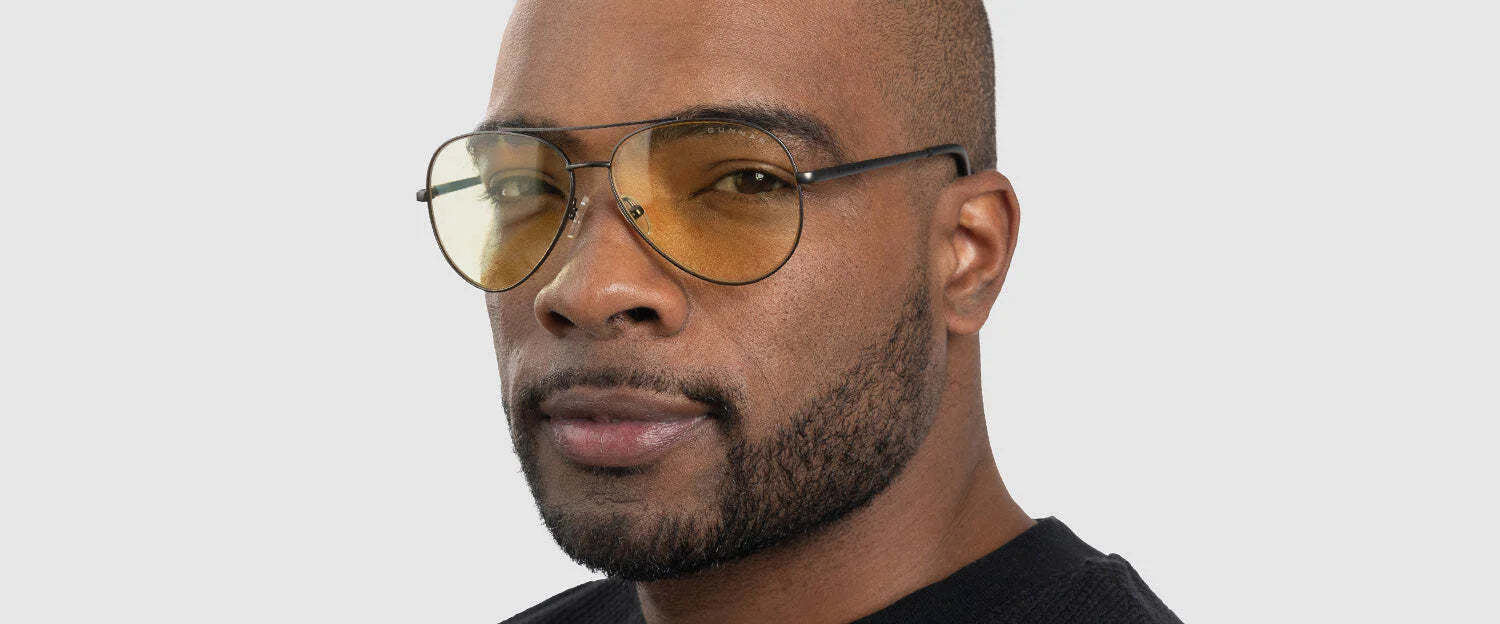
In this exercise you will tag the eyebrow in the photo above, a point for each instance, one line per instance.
(530, 125)
(792, 126)
(797, 128)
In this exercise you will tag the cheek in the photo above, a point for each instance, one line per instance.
(867, 236)
(511, 317)
(857, 255)
(802, 328)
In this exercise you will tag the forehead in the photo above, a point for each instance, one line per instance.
(579, 63)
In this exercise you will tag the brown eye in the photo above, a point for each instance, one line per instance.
(749, 182)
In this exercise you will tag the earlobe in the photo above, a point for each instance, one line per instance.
(979, 236)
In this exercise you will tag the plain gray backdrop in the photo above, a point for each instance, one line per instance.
(1248, 340)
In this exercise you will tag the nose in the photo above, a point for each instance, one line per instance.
(612, 284)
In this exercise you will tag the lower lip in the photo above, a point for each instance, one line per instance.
(622, 443)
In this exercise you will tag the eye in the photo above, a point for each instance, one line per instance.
(749, 182)
(520, 188)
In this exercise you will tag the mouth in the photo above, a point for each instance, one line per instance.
(618, 427)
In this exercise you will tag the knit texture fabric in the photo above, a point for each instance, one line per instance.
(1046, 575)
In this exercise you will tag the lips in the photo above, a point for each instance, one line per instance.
(620, 427)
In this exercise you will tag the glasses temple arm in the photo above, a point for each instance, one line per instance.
(446, 187)
(960, 160)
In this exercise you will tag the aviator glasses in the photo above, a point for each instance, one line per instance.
(719, 198)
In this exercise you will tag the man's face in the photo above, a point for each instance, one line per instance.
(666, 423)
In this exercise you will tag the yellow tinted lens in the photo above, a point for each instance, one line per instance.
(497, 202)
(717, 198)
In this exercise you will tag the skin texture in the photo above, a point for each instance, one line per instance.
(835, 453)
(606, 300)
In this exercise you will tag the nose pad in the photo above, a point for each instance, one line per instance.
(577, 224)
(635, 214)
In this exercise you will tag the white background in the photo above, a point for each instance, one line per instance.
(1248, 342)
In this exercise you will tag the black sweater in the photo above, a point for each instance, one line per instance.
(1046, 575)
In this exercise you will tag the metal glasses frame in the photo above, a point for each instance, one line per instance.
(427, 194)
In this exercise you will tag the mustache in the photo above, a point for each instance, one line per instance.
(723, 400)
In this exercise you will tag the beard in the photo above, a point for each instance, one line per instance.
(840, 449)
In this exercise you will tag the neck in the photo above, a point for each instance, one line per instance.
(947, 508)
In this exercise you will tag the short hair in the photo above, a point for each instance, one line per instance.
(949, 91)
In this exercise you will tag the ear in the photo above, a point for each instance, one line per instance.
(980, 217)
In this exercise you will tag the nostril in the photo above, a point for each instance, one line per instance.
(558, 320)
(641, 314)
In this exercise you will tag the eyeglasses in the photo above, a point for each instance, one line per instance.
(719, 198)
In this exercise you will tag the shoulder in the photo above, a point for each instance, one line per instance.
(605, 601)
(1103, 590)
(1045, 575)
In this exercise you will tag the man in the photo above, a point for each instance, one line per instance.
(743, 380)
